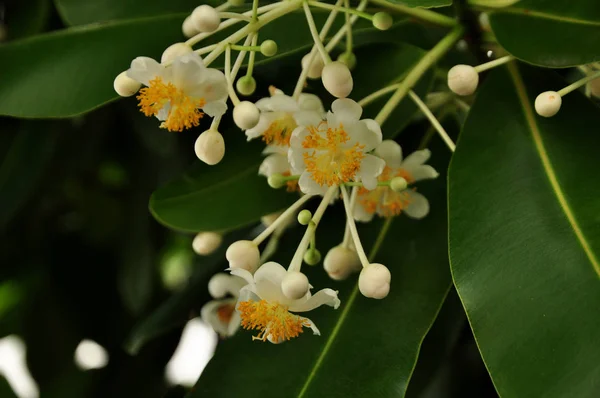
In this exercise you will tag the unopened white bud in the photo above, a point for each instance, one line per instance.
(206, 243)
(304, 217)
(463, 79)
(268, 48)
(206, 18)
(337, 79)
(210, 147)
(341, 262)
(174, 51)
(218, 285)
(374, 281)
(594, 86)
(126, 86)
(246, 115)
(548, 103)
(398, 184)
(294, 285)
(188, 28)
(312, 257)
(276, 181)
(316, 67)
(348, 59)
(246, 85)
(243, 254)
(382, 21)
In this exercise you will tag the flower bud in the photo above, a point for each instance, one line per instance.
(218, 285)
(463, 79)
(304, 217)
(341, 262)
(312, 257)
(294, 285)
(398, 184)
(245, 85)
(337, 79)
(188, 28)
(206, 18)
(382, 21)
(246, 115)
(374, 281)
(206, 243)
(268, 48)
(348, 59)
(548, 103)
(316, 67)
(174, 51)
(276, 181)
(594, 86)
(126, 86)
(210, 147)
(243, 254)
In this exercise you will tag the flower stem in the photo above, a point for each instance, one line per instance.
(349, 41)
(350, 220)
(282, 218)
(340, 34)
(345, 9)
(571, 87)
(379, 93)
(252, 57)
(419, 13)
(415, 74)
(235, 15)
(434, 122)
(230, 89)
(255, 10)
(494, 63)
(240, 58)
(347, 236)
(315, 34)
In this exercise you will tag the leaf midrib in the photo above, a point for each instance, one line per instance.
(547, 165)
(545, 15)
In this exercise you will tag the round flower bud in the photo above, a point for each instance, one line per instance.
(348, 59)
(206, 18)
(341, 262)
(294, 285)
(594, 86)
(304, 217)
(270, 218)
(382, 21)
(210, 147)
(245, 85)
(268, 48)
(312, 257)
(398, 184)
(246, 115)
(374, 281)
(276, 180)
(316, 67)
(236, 3)
(337, 79)
(174, 51)
(188, 28)
(463, 79)
(218, 285)
(206, 243)
(243, 254)
(126, 86)
(548, 103)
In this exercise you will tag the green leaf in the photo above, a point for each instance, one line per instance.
(524, 237)
(423, 3)
(366, 346)
(550, 33)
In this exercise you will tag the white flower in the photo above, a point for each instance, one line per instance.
(263, 306)
(280, 114)
(179, 94)
(220, 313)
(277, 163)
(332, 152)
(383, 200)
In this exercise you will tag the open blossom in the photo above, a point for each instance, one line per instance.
(335, 151)
(181, 93)
(220, 313)
(262, 305)
(277, 162)
(280, 114)
(383, 200)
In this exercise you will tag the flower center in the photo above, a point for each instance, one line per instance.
(384, 199)
(225, 312)
(183, 111)
(280, 130)
(272, 319)
(331, 162)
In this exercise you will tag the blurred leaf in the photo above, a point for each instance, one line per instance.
(26, 18)
(10, 295)
(550, 33)
(423, 3)
(524, 236)
(24, 164)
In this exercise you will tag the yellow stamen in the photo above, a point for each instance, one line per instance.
(384, 199)
(184, 112)
(330, 163)
(280, 131)
(272, 319)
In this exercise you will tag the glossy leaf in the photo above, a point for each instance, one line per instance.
(550, 33)
(524, 236)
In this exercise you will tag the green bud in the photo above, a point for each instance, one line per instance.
(398, 184)
(268, 48)
(245, 85)
(382, 21)
(276, 181)
(304, 217)
(349, 59)
(312, 257)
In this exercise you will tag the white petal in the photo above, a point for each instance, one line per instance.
(346, 111)
(418, 207)
(360, 214)
(298, 136)
(391, 152)
(163, 113)
(275, 163)
(282, 102)
(209, 314)
(280, 149)
(215, 108)
(309, 187)
(187, 70)
(370, 168)
(144, 69)
(310, 102)
(270, 271)
(234, 323)
(242, 273)
(360, 133)
(264, 122)
(375, 128)
(322, 297)
(307, 118)
(312, 326)
(264, 104)
(296, 160)
(422, 172)
(212, 86)
(416, 158)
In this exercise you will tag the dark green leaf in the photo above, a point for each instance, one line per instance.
(524, 236)
(550, 33)
(26, 18)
